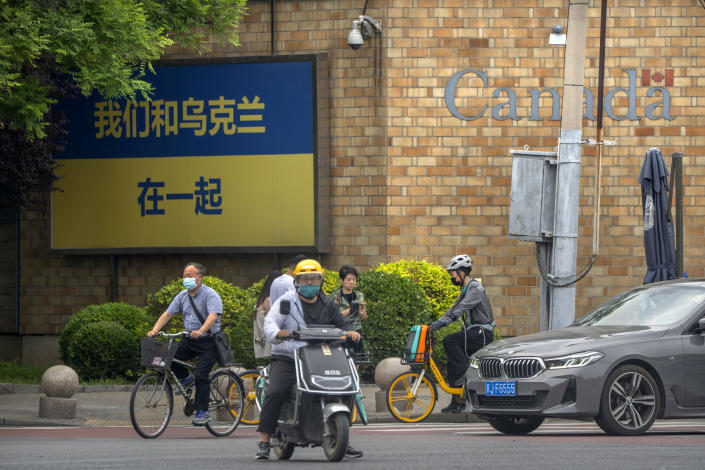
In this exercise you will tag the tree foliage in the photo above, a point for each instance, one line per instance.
(50, 47)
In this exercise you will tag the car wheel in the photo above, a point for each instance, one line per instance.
(516, 426)
(630, 402)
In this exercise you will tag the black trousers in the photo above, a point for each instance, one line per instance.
(457, 345)
(204, 348)
(282, 376)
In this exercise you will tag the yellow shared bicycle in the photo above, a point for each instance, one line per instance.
(250, 412)
(412, 395)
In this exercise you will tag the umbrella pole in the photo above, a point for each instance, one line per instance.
(677, 173)
(598, 135)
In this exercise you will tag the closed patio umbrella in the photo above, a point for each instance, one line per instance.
(659, 244)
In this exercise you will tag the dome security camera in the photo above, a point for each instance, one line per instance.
(354, 37)
(557, 36)
(363, 28)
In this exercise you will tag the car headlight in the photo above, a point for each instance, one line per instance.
(573, 360)
(474, 363)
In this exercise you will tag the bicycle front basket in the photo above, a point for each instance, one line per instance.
(363, 358)
(156, 353)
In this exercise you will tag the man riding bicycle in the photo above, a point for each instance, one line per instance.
(193, 303)
(478, 325)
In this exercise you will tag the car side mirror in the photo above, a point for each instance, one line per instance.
(701, 325)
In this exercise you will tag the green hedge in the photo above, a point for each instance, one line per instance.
(439, 291)
(394, 304)
(102, 341)
(439, 294)
(104, 349)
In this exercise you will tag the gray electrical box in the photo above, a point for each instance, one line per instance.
(533, 197)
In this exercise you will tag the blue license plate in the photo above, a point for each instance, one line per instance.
(501, 389)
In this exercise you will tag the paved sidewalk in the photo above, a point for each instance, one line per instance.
(108, 405)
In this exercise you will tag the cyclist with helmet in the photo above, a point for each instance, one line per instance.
(474, 308)
(306, 305)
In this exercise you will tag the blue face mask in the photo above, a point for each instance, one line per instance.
(309, 291)
(190, 283)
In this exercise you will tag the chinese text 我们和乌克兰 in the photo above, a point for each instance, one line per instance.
(143, 119)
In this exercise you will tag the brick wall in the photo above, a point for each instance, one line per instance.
(411, 181)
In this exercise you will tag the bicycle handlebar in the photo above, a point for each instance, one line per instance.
(172, 335)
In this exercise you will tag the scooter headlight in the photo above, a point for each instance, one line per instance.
(332, 382)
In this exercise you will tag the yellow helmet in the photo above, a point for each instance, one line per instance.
(308, 266)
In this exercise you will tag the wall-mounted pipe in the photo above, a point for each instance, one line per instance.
(272, 22)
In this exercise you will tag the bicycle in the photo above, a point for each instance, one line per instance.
(250, 414)
(412, 396)
(152, 399)
(360, 359)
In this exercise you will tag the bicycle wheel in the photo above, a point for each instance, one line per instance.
(353, 415)
(250, 413)
(406, 406)
(151, 404)
(359, 409)
(226, 403)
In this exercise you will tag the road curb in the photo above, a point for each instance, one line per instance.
(7, 389)
(39, 422)
(433, 418)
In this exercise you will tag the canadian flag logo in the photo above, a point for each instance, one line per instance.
(647, 76)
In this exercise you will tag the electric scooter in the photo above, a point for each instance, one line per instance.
(318, 410)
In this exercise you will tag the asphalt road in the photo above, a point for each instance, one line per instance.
(555, 445)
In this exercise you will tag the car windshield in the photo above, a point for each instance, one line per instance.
(652, 306)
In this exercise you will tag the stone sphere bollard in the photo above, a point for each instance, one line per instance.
(59, 383)
(386, 370)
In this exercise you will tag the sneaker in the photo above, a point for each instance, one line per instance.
(262, 451)
(353, 453)
(202, 417)
(185, 383)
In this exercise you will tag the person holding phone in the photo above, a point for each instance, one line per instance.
(352, 304)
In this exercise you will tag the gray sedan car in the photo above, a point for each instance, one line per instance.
(638, 357)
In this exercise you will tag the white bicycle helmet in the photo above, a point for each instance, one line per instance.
(460, 261)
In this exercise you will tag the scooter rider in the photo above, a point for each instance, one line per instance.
(295, 309)
(475, 309)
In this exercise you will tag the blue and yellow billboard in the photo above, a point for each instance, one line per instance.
(223, 157)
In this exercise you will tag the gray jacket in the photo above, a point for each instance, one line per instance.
(473, 306)
(275, 321)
